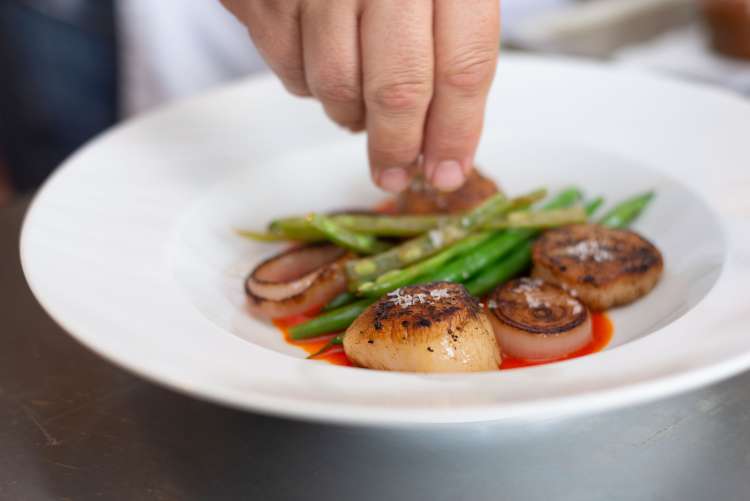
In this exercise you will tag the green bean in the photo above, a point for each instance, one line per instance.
(422, 247)
(259, 236)
(472, 254)
(332, 321)
(398, 226)
(337, 340)
(357, 242)
(393, 226)
(540, 219)
(593, 205)
(394, 279)
(341, 300)
(501, 271)
(627, 211)
(467, 266)
(381, 225)
(296, 228)
(413, 225)
(464, 268)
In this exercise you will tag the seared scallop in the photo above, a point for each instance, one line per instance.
(534, 320)
(421, 198)
(603, 267)
(438, 327)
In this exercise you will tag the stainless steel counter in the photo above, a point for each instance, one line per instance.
(73, 427)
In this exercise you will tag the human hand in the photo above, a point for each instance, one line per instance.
(415, 74)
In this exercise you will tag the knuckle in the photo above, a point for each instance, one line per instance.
(471, 70)
(296, 87)
(338, 92)
(289, 68)
(293, 77)
(345, 119)
(297, 90)
(401, 97)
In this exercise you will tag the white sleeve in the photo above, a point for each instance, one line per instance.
(517, 11)
(174, 48)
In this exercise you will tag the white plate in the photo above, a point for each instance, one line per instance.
(129, 246)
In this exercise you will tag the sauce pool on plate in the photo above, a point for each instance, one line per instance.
(335, 355)
(602, 334)
(603, 331)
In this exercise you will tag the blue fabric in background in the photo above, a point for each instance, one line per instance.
(58, 82)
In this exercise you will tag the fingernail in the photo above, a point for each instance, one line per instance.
(394, 179)
(448, 175)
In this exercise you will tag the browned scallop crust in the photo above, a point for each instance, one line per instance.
(603, 267)
(423, 199)
(437, 327)
(535, 320)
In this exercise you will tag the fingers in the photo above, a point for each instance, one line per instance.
(274, 27)
(467, 41)
(397, 66)
(331, 57)
(384, 69)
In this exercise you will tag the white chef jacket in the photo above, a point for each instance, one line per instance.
(174, 48)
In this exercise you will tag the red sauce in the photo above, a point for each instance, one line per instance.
(335, 355)
(602, 329)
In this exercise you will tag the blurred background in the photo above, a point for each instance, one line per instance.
(72, 68)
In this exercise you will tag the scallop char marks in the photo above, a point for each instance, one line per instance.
(437, 327)
(601, 266)
(538, 321)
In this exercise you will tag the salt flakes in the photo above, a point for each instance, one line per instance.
(406, 300)
(526, 285)
(532, 301)
(577, 308)
(573, 292)
(436, 238)
(588, 250)
(403, 300)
